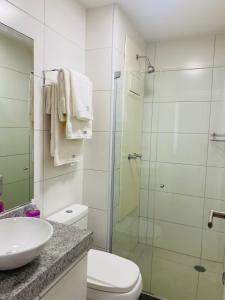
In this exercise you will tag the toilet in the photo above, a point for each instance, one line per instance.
(109, 277)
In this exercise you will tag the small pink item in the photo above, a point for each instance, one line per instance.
(2, 206)
(33, 213)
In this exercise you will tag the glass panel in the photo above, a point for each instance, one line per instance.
(180, 178)
(16, 128)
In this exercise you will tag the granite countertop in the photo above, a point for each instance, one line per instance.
(65, 246)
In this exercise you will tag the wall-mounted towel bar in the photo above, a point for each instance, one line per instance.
(215, 137)
(45, 71)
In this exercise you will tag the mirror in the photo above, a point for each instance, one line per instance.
(16, 117)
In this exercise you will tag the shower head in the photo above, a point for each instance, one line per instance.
(150, 67)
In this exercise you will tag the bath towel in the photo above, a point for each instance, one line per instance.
(81, 96)
(74, 129)
(63, 151)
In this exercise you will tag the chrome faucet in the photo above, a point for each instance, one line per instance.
(215, 214)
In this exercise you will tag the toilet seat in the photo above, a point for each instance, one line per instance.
(110, 273)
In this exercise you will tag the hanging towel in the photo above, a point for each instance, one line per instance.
(81, 96)
(62, 150)
(47, 97)
(74, 129)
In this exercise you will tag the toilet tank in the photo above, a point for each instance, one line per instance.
(75, 214)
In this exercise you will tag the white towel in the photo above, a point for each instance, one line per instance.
(64, 151)
(75, 129)
(81, 96)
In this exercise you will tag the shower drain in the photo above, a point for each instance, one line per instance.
(200, 269)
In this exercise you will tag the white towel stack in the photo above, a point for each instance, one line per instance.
(69, 102)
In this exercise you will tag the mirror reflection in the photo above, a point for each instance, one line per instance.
(16, 117)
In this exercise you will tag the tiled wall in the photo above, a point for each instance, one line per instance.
(96, 187)
(182, 170)
(58, 42)
(107, 28)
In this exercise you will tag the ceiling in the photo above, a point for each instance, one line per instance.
(169, 19)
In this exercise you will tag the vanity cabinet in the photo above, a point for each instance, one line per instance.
(72, 284)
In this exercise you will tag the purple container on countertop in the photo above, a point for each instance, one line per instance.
(2, 206)
(33, 213)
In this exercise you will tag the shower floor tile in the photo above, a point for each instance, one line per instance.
(171, 275)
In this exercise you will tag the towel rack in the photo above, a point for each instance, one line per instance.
(215, 135)
(45, 71)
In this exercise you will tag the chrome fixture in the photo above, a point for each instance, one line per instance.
(215, 137)
(134, 156)
(131, 156)
(215, 214)
(150, 67)
(138, 155)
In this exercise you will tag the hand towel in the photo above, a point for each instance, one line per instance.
(74, 129)
(64, 151)
(81, 96)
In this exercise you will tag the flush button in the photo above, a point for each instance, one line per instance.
(69, 211)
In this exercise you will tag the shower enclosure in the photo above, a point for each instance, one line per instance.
(168, 174)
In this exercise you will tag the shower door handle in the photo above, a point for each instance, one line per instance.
(215, 214)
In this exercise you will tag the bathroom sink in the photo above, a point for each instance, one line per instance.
(21, 240)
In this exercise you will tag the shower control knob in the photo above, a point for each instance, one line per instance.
(162, 186)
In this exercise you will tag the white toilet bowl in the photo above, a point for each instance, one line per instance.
(109, 277)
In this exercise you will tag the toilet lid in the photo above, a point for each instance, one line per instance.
(111, 273)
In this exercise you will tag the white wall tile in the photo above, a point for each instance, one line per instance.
(175, 117)
(217, 121)
(62, 191)
(98, 68)
(218, 91)
(101, 110)
(147, 117)
(97, 222)
(216, 154)
(144, 174)
(39, 195)
(215, 187)
(183, 85)
(67, 17)
(95, 189)
(38, 155)
(166, 236)
(186, 53)
(97, 152)
(99, 27)
(182, 148)
(213, 245)
(146, 146)
(38, 114)
(32, 7)
(220, 50)
(180, 209)
(61, 53)
(182, 179)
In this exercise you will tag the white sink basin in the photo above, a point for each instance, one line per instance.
(21, 240)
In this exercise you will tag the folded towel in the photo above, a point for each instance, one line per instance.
(81, 96)
(75, 129)
(64, 151)
(47, 97)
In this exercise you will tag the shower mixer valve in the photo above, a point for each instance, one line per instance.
(134, 156)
